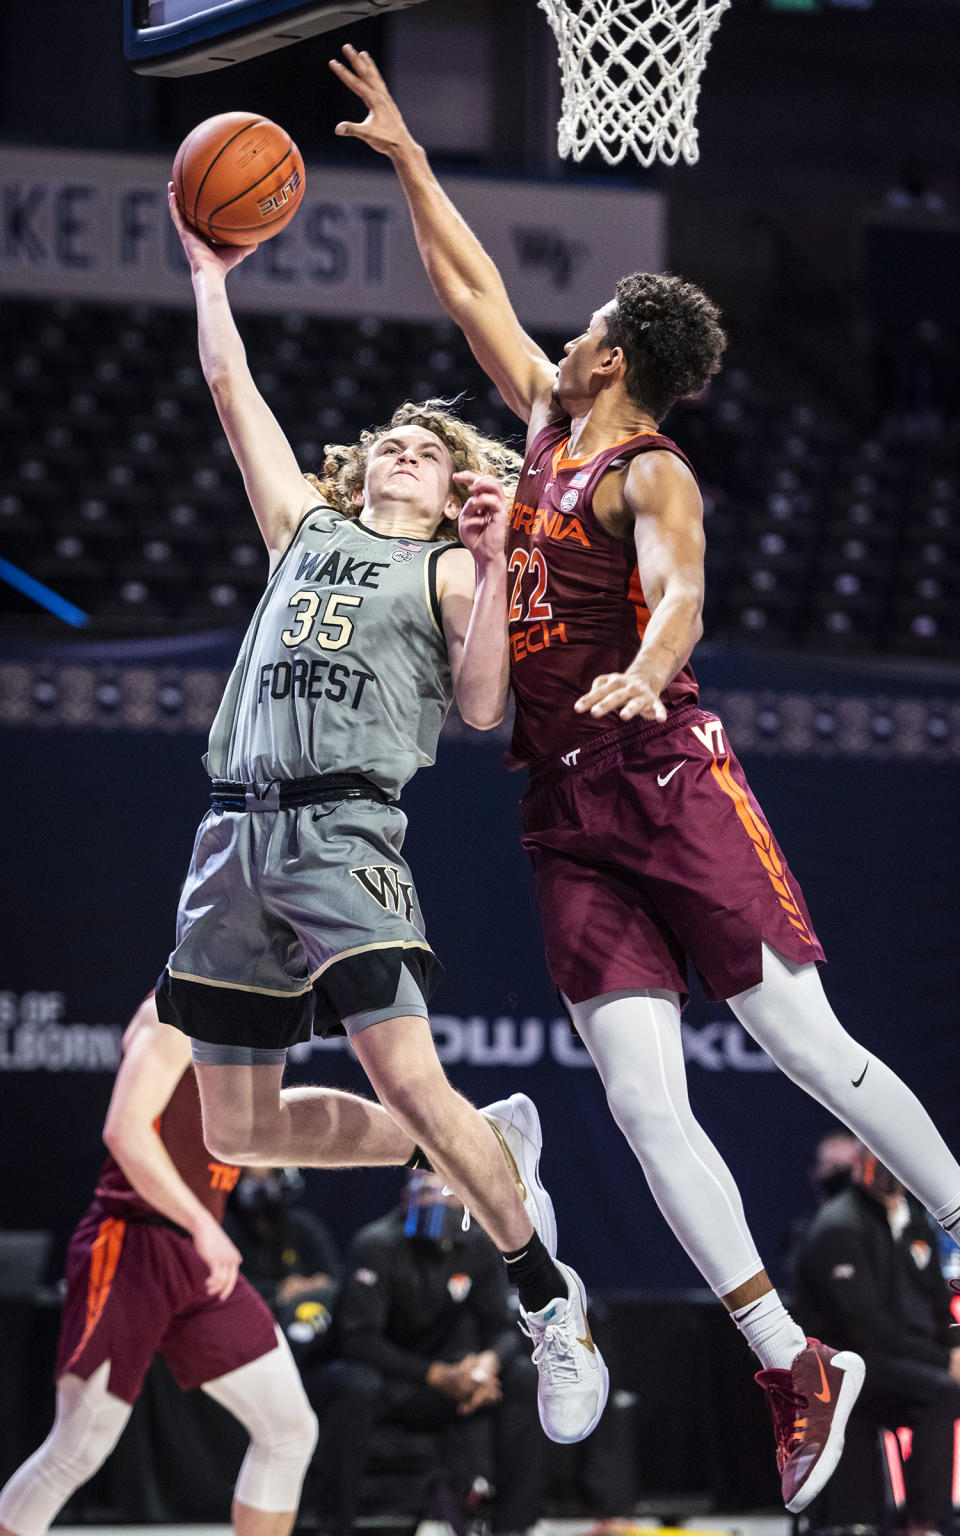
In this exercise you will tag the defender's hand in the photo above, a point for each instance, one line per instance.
(383, 128)
(200, 253)
(483, 520)
(625, 693)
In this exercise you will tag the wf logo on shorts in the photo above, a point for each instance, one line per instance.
(383, 883)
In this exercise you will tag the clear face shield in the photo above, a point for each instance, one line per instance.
(431, 1215)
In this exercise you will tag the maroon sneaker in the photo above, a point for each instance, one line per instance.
(810, 1405)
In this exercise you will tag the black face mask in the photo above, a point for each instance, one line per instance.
(280, 1188)
(832, 1183)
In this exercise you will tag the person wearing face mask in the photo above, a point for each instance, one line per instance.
(425, 1337)
(829, 1173)
(834, 1158)
(868, 1273)
(287, 1251)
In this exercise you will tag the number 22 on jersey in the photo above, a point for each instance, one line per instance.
(533, 563)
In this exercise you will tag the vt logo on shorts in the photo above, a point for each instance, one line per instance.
(383, 883)
(711, 735)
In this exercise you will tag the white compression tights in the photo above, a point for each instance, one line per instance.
(86, 1429)
(266, 1396)
(634, 1039)
(788, 1014)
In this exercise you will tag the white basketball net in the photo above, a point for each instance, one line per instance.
(631, 75)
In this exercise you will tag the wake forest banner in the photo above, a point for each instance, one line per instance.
(856, 770)
(80, 224)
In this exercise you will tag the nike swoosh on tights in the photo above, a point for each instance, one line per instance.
(856, 1081)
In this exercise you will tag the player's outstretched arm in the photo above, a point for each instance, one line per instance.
(662, 496)
(472, 588)
(275, 487)
(463, 276)
(155, 1057)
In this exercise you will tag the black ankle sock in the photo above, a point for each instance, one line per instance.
(533, 1272)
(419, 1159)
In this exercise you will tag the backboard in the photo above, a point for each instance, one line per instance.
(191, 37)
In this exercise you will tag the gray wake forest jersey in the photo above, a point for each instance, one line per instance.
(344, 666)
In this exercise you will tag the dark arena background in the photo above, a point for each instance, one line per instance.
(824, 217)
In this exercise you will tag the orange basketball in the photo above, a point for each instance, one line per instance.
(238, 178)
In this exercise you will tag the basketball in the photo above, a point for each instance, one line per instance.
(238, 178)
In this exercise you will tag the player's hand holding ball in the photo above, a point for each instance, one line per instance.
(199, 252)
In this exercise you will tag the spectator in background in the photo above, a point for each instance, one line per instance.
(287, 1251)
(834, 1159)
(425, 1338)
(868, 1275)
(830, 1172)
(289, 1256)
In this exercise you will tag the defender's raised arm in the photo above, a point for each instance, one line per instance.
(463, 276)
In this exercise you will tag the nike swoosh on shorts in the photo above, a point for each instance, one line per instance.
(664, 778)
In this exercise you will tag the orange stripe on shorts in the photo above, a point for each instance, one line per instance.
(762, 841)
(104, 1258)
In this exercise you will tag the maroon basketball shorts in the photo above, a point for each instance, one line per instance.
(649, 850)
(135, 1290)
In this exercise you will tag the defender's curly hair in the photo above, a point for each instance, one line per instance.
(671, 337)
(345, 466)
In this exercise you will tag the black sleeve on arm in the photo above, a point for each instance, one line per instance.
(363, 1312)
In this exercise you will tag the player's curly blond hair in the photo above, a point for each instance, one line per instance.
(345, 466)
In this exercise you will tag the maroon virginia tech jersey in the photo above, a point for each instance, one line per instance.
(576, 605)
(180, 1128)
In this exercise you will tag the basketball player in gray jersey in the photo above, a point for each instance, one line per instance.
(386, 599)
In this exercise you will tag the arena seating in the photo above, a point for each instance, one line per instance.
(117, 488)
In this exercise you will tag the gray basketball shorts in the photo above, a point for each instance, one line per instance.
(292, 921)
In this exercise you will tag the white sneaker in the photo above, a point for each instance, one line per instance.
(574, 1381)
(516, 1126)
